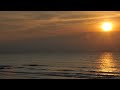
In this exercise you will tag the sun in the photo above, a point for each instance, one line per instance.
(107, 26)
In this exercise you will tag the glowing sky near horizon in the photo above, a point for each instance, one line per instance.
(21, 24)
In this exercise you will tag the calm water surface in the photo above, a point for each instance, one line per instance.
(91, 65)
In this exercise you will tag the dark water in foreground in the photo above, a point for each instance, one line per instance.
(91, 65)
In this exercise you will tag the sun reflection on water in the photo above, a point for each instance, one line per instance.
(107, 63)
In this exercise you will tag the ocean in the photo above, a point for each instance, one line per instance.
(84, 65)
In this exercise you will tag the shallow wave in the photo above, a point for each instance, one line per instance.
(66, 73)
(59, 67)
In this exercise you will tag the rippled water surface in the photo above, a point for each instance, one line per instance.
(90, 65)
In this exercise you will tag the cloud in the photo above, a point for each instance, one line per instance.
(50, 20)
(25, 20)
(42, 29)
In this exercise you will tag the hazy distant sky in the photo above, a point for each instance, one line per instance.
(26, 29)
(44, 23)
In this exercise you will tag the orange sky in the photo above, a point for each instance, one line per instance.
(44, 23)
(23, 26)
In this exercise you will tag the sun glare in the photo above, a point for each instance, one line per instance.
(107, 26)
